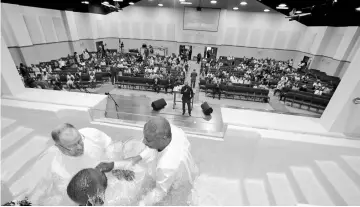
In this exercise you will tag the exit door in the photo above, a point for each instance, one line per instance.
(210, 52)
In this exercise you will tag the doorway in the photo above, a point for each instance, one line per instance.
(210, 52)
(185, 51)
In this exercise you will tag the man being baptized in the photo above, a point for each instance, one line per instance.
(105, 185)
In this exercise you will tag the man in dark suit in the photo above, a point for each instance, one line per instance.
(187, 95)
(114, 71)
(193, 76)
(156, 84)
(169, 84)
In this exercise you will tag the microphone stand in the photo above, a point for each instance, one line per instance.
(116, 105)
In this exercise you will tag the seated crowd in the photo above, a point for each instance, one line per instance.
(87, 69)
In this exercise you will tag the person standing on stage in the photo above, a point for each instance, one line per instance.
(187, 95)
(193, 76)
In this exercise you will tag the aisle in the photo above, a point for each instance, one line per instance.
(192, 66)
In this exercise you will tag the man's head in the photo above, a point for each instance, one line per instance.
(157, 133)
(186, 83)
(68, 139)
(88, 187)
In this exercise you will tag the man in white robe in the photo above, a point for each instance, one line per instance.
(175, 170)
(73, 150)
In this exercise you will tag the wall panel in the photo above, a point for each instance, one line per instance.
(48, 29)
(34, 29)
(59, 29)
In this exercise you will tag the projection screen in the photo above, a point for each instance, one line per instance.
(204, 20)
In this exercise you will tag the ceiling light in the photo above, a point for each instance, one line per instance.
(235, 8)
(105, 2)
(188, 3)
(85, 2)
(160, 5)
(358, 9)
(213, 2)
(181, 0)
(282, 7)
(243, 3)
(266, 10)
(298, 12)
(118, 0)
(131, 3)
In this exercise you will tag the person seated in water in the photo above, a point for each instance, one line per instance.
(72, 151)
(105, 185)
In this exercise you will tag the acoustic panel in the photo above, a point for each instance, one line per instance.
(159, 32)
(170, 32)
(229, 37)
(280, 40)
(34, 29)
(148, 30)
(125, 30)
(242, 36)
(48, 29)
(100, 28)
(113, 31)
(212, 39)
(255, 38)
(83, 26)
(294, 38)
(267, 38)
(136, 30)
(60, 29)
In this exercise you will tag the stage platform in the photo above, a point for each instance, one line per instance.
(137, 110)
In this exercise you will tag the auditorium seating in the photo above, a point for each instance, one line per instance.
(306, 99)
(139, 83)
(239, 92)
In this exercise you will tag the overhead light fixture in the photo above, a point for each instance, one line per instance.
(213, 2)
(160, 5)
(298, 12)
(85, 2)
(358, 9)
(282, 5)
(235, 8)
(188, 3)
(266, 10)
(131, 3)
(105, 2)
(243, 3)
(119, 0)
(181, 0)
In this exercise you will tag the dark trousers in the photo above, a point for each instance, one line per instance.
(193, 83)
(113, 77)
(169, 86)
(216, 91)
(156, 88)
(188, 102)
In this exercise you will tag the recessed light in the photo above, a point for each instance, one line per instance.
(282, 5)
(181, 0)
(188, 3)
(243, 3)
(358, 9)
(105, 2)
(118, 0)
(298, 12)
(235, 8)
(160, 5)
(213, 2)
(131, 3)
(85, 2)
(266, 10)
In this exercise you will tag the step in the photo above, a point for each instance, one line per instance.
(13, 137)
(353, 162)
(28, 181)
(310, 186)
(256, 192)
(5, 122)
(281, 189)
(341, 182)
(13, 163)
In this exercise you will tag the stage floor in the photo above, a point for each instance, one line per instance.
(137, 109)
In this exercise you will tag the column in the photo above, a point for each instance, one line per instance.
(11, 83)
(342, 115)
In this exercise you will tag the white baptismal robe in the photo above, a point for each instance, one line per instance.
(63, 167)
(176, 170)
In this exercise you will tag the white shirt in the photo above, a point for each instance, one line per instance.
(63, 167)
(176, 170)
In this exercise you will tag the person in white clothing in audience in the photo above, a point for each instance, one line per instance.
(72, 151)
(176, 169)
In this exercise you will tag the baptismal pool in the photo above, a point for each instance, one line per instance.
(247, 167)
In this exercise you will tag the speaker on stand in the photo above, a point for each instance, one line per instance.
(207, 110)
(158, 104)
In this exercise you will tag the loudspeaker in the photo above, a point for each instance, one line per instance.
(206, 108)
(158, 104)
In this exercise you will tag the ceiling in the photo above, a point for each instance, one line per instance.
(325, 12)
